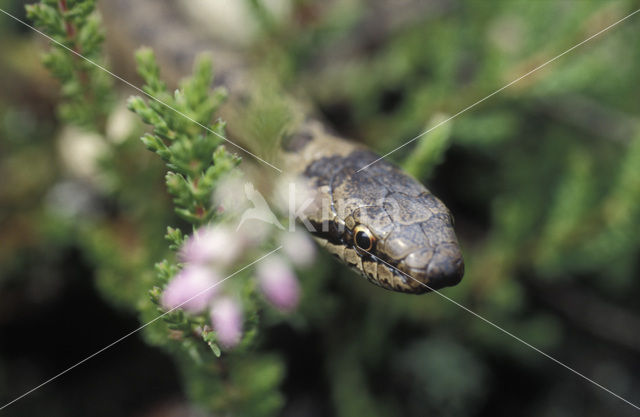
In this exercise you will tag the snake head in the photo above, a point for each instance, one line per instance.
(383, 223)
(412, 240)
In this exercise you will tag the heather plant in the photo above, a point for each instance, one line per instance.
(203, 311)
(201, 314)
(86, 90)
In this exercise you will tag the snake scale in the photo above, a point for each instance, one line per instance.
(378, 220)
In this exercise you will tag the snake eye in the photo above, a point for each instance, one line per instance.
(363, 238)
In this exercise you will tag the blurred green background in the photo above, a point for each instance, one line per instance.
(543, 180)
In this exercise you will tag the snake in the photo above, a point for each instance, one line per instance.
(360, 208)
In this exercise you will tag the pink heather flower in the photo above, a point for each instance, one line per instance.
(217, 245)
(299, 248)
(226, 319)
(278, 283)
(191, 289)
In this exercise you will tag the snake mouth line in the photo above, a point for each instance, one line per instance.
(444, 269)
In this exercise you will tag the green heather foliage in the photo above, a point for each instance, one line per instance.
(191, 149)
(430, 149)
(86, 89)
(185, 136)
(197, 161)
(543, 180)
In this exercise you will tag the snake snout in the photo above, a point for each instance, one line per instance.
(431, 269)
(446, 268)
